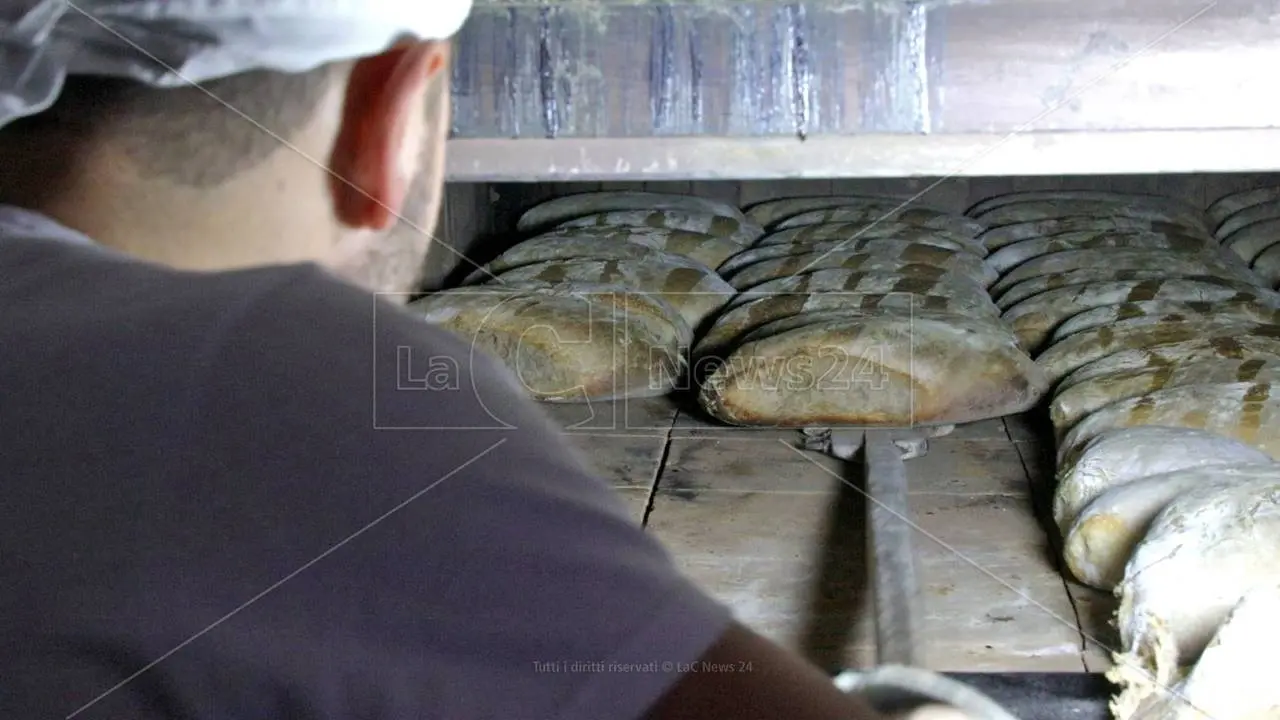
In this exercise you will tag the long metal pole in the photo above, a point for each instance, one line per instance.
(893, 576)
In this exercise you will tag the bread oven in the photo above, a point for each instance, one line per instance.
(1009, 267)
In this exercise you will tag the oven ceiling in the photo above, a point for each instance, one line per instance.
(599, 89)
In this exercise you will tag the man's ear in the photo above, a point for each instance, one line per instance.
(376, 153)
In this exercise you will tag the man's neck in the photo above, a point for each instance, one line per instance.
(274, 214)
(198, 230)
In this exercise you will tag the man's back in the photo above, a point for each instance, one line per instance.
(235, 491)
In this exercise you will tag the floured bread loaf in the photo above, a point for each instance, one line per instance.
(1111, 314)
(769, 212)
(1110, 196)
(929, 254)
(562, 247)
(887, 212)
(1034, 286)
(902, 314)
(739, 320)
(693, 289)
(1233, 679)
(1228, 205)
(1072, 404)
(1174, 263)
(863, 283)
(734, 229)
(1249, 241)
(1205, 551)
(1227, 347)
(859, 232)
(706, 249)
(562, 209)
(1045, 210)
(638, 244)
(873, 371)
(1115, 458)
(1033, 320)
(1267, 266)
(1082, 348)
(1246, 217)
(1108, 529)
(955, 263)
(1000, 236)
(1013, 255)
(569, 344)
(1241, 411)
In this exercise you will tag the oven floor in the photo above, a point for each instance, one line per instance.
(775, 533)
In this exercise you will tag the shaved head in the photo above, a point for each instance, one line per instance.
(341, 165)
(199, 137)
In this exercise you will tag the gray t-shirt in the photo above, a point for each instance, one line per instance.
(264, 494)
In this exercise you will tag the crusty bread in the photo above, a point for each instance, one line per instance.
(569, 344)
(890, 369)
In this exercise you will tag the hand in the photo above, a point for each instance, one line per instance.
(931, 712)
(930, 695)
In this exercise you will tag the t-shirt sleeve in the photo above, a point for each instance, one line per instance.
(439, 549)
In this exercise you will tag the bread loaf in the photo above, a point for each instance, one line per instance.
(1034, 319)
(1072, 404)
(1000, 236)
(869, 214)
(1014, 254)
(1267, 266)
(569, 344)
(1248, 242)
(1109, 196)
(929, 254)
(1115, 458)
(861, 232)
(958, 264)
(706, 249)
(1246, 217)
(1241, 411)
(1111, 314)
(903, 314)
(1228, 205)
(1204, 552)
(694, 290)
(873, 371)
(1229, 346)
(1231, 680)
(739, 320)
(1112, 259)
(1086, 346)
(659, 246)
(562, 209)
(861, 283)
(1046, 210)
(736, 230)
(1109, 528)
(769, 212)
(1028, 289)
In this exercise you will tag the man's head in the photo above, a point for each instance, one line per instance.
(341, 165)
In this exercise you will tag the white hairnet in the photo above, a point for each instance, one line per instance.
(44, 41)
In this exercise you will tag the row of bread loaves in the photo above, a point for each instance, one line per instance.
(1161, 345)
(603, 301)
(857, 310)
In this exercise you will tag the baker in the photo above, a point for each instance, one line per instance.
(222, 497)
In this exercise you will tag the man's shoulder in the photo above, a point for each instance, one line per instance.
(323, 335)
(290, 326)
(302, 302)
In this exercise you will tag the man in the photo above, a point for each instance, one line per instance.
(212, 507)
